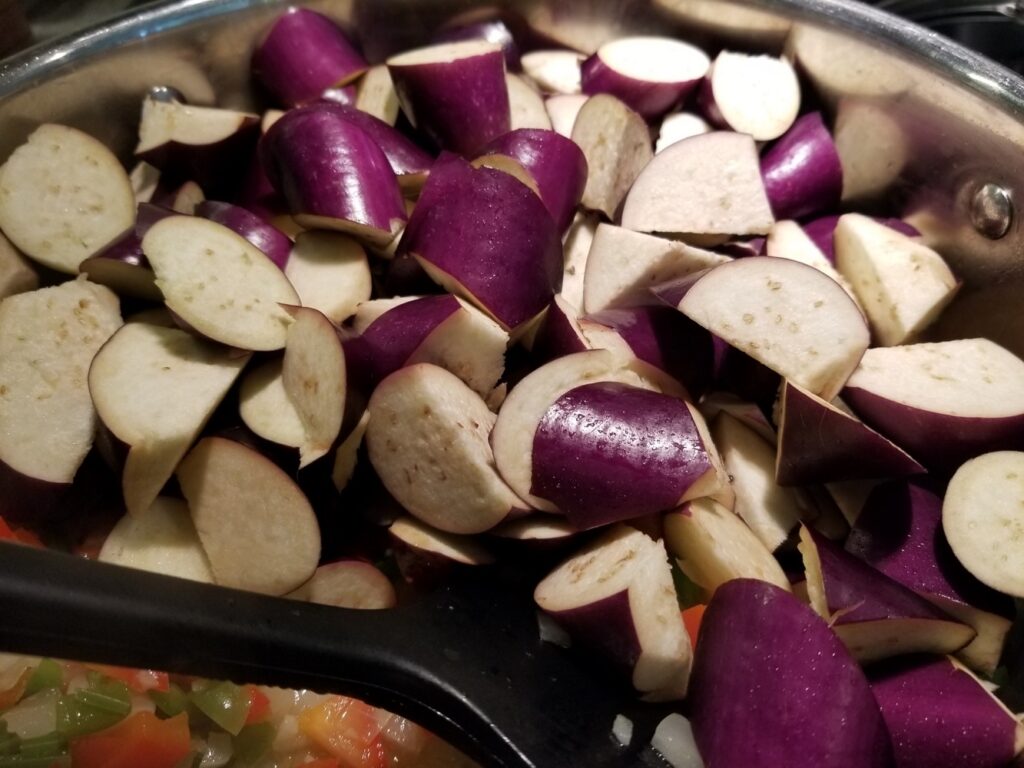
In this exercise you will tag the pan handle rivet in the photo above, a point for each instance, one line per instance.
(992, 211)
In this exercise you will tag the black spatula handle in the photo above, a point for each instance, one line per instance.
(466, 663)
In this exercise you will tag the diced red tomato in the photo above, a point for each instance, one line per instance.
(259, 706)
(13, 695)
(20, 535)
(141, 739)
(323, 762)
(348, 729)
(139, 680)
(692, 618)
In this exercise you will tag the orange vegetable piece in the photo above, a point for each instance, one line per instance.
(259, 706)
(138, 680)
(13, 695)
(141, 739)
(692, 617)
(347, 729)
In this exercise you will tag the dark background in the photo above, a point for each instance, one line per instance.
(994, 28)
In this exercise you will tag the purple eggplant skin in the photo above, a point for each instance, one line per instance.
(555, 162)
(558, 335)
(268, 238)
(128, 247)
(492, 30)
(461, 105)
(492, 234)
(390, 340)
(801, 171)
(607, 452)
(651, 100)
(607, 627)
(772, 685)
(326, 166)
(668, 340)
(818, 445)
(821, 230)
(899, 532)
(303, 54)
(402, 153)
(122, 265)
(862, 593)
(939, 716)
(940, 441)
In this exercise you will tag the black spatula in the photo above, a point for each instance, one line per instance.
(466, 661)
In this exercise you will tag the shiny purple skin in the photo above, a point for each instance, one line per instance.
(818, 445)
(324, 165)
(772, 685)
(489, 232)
(899, 532)
(801, 171)
(269, 239)
(303, 54)
(491, 30)
(940, 716)
(390, 340)
(404, 156)
(128, 247)
(122, 265)
(668, 340)
(607, 627)
(651, 100)
(461, 105)
(607, 452)
(864, 594)
(941, 442)
(559, 335)
(346, 95)
(820, 232)
(555, 162)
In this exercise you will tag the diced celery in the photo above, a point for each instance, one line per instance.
(113, 690)
(76, 718)
(51, 745)
(253, 742)
(171, 702)
(47, 675)
(50, 761)
(104, 702)
(226, 704)
(9, 742)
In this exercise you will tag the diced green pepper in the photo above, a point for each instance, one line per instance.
(252, 743)
(226, 704)
(171, 702)
(47, 675)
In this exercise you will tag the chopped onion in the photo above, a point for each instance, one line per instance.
(673, 738)
(622, 730)
(216, 751)
(551, 632)
(35, 715)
